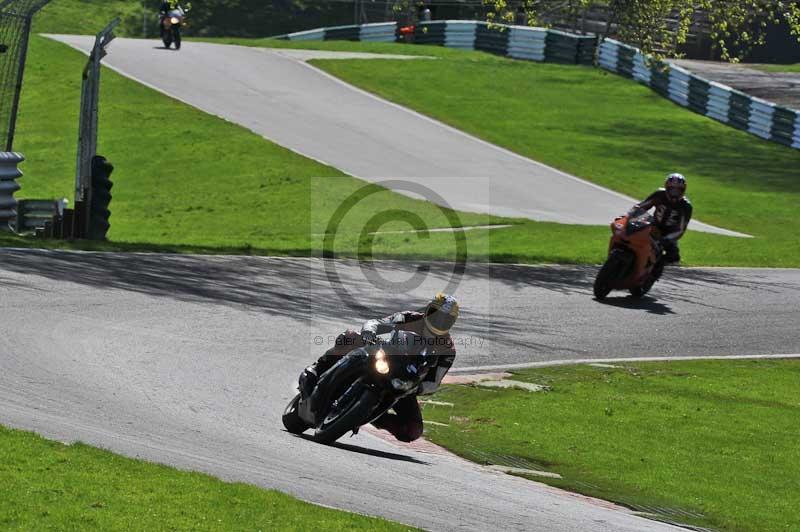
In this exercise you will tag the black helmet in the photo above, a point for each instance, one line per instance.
(675, 185)
(440, 314)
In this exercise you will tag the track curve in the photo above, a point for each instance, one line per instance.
(276, 94)
(188, 360)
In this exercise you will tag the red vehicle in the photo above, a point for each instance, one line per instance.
(634, 257)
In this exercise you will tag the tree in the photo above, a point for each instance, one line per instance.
(660, 27)
(248, 18)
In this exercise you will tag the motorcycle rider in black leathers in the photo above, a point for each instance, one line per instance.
(672, 214)
(432, 323)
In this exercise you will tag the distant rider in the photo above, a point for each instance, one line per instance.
(432, 323)
(672, 214)
(171, 5)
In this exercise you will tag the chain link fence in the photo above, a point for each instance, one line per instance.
(15, 28)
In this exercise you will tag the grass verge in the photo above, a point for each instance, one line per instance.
(603, 128)
(190, 182)
(193, 183)
(186, 180)
(776, 68)
(87, 16)
(712, 438)
(50, 486)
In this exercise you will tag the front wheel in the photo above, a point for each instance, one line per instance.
(291, 420)
(602, 283)
(347, 413)
(640, 291)
(166, 36)
(176, 31)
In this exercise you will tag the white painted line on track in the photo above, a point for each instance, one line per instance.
(168, 94)
(575, 362)
(725, 232)
(360, 173)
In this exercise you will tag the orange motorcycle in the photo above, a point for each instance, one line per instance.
(635, 258)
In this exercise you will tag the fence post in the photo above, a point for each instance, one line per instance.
(87, 131)
(9, 173)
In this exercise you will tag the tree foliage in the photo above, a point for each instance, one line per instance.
(660, 27)
(252, 18)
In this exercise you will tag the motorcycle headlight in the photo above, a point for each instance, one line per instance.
(175, 20)
(400, 384)
(381, 365)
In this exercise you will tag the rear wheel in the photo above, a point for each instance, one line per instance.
(291, 420)
(347, 413)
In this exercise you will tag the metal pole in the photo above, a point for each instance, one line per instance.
(23, 55)
(81, 131)
(88, 128)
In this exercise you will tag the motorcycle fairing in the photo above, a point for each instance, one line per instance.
(346, 370)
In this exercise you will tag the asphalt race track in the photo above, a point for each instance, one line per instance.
(189, 360)
(276, 94)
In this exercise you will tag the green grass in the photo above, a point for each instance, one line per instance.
(609, 130)
(50, 486)
(714, 437)
(342, 46)
(605, 129)
(776, 68)
(195, 183)
(191, 182)
(87, 16)
(185, 179)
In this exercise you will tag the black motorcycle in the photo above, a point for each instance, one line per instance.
(361, 387)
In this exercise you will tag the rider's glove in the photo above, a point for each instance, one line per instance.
(369, 337)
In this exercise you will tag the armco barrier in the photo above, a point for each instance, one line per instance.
(9, 173)
(527, 43)
(384, 32)
(492, 39)
(720, 102)
(518, 42)
(34, 214)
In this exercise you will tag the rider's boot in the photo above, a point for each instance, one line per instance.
(310, 376)
(672, 253)
(345, 343)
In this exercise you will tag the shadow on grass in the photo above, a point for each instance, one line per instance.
(739, 160)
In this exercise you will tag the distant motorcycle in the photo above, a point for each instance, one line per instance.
(361, 387)
(171, 26)
(635, 258)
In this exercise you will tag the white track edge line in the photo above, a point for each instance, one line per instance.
(506, 151)
(54, 37)
(567, 362)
